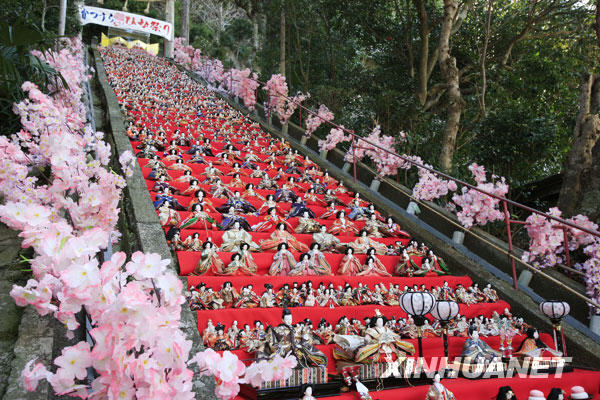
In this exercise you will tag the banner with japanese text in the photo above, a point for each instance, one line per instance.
(124, 20)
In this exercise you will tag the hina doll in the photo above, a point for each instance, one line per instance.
(446, 293)
(364, 243)
(230, 218)
(179, 166)
(236, 170)
(311, 197)
(350, 265)
(247, 298)
(193, 242)
(223, 160)
(247, 258)
(167, 216)
(307, 225)
(162, 183)
(342, 226)
(506, 393)
(209, 259)
(392, 229)
(267, 300)
(283, 261)
(477, 351)
(228, 294)
(212, 174)
(250, 192)
(325, 332)
(269, 203)
(270, 222)
(198, 215)
(406, 265)
(200, 198)
(197, 158)
(285, 193)
(374, 227)
(208, 332)
(382, 344)
(427, 268)
(326, 241)
(234, 238)
(357, 201)
(311, 299)
(280, 235)
(233, 333)
(236, 181)
(532, 346)
(371, 252)
(490, 294)
(219, 191)
(155, 163)
(296, 299)
(172, 155)
(173, 237)
(220, 341)
(370, 268)
(283, 295)
(330, 197)
(236, 267)
(267, 183)
(437, 391)
(192, 188)
(238, 203)
(331, 211)
(357, 211)
(346, 297)
(438, 262)
(280, 340)
(318, 260)
(166, 197)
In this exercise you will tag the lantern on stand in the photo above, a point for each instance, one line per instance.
(445, 311)
(417, 305)
(556, 311)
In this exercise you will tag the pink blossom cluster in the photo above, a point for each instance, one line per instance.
(247, 89)
(243, 84)
(591, 267)
(476, 207)
(386, 162)
(286, 109)
(546, 238)
(314, 121)
(430, 187)
(212, 70)
(335, 136)
(230, 372)
(66, 208)
(182, 53)
(277, 90)
(127, 161)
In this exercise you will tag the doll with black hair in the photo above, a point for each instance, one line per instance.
(283, 261)
(556, 394)
(209, 259)
(533, 346)
(506, 393)
(281, 235)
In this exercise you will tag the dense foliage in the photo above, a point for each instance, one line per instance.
(362, 59)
